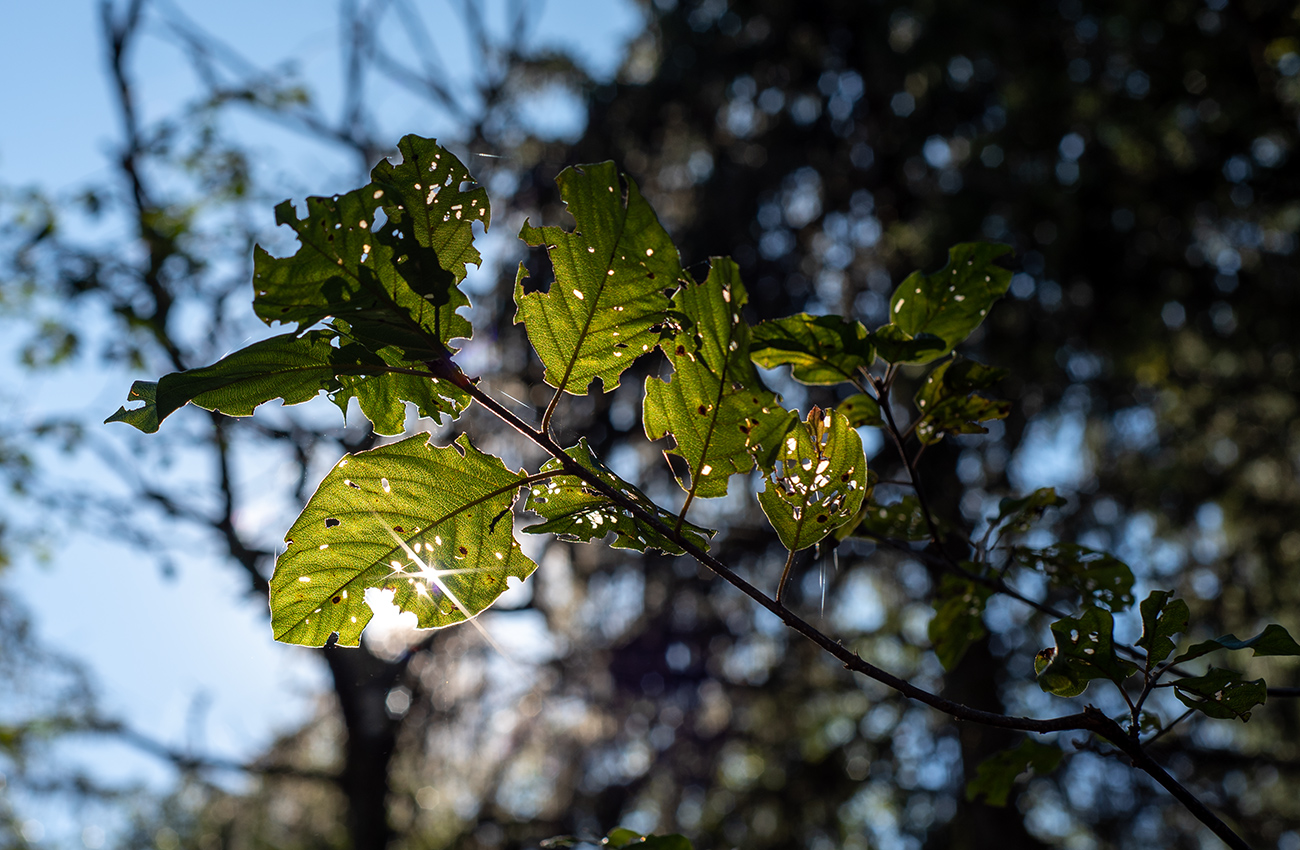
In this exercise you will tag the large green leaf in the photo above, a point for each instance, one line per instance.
(997, 774)
(1221, 694)
(574, 510)
(1095, 576)
(957, 622)
(819, 481)
(952, 302)
(433, 524)
(1162, 618)
(948, 402)
(714, 405)
(296, 369)
(1085, 650)
(607, 299)
(819, 349)
(1274, 640)
(395, 284)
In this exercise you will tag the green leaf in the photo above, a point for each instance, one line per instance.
(820, 349)
(382, 394)
(952, 302)
(344, 269)
(894, 345)
(296, 369)
(957, 623)
(602, 311)
(424, 194)
(1085, 650)
(861, 409)
(1274, 640)
(997, 774)
(574, 511)
(144, 418)
(901, 520)
(1221, 694)
(433, 524)
(718, 412)
(948, 404)
(819, 480)
(1162, 618)
(1096, 576)
(1019, 514)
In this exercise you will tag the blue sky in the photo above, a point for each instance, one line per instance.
(155, 645)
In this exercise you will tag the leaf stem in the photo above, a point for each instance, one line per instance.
(785, 575)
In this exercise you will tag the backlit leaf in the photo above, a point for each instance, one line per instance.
(948, 402)
(296, 369)
(952, 302)
(997, 774)
(575, 511)
(1096, 576)
(819, 480)
(1274, 640)
(1085, 650)
(1221, 694)
(1162, 618)
(714, 405)
(389, 283)
(433, 525)
(861, 409)
(819, 349)
(957, 622)
(602, 311)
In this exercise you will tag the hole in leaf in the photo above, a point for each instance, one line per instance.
(330, 522)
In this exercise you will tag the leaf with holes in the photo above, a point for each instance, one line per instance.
(819, 349)
(388, 283)
(997, 774)
(1162, 618)
(861, 409)
(575, 511)
(1274, 640)
(1095, 576)
(434, 525)
(718, 412)
(957, 622)
(607, 301)
(1017, 515)
(901, 520)
(1221, 694)
(948, 402)
(952, 302)
(296, 369)
(818, 482)
(424, 195)
(1085, 650)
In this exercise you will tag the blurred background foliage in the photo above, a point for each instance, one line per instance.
(1141, 160)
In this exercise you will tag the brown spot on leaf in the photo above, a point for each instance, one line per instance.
(337, 599)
